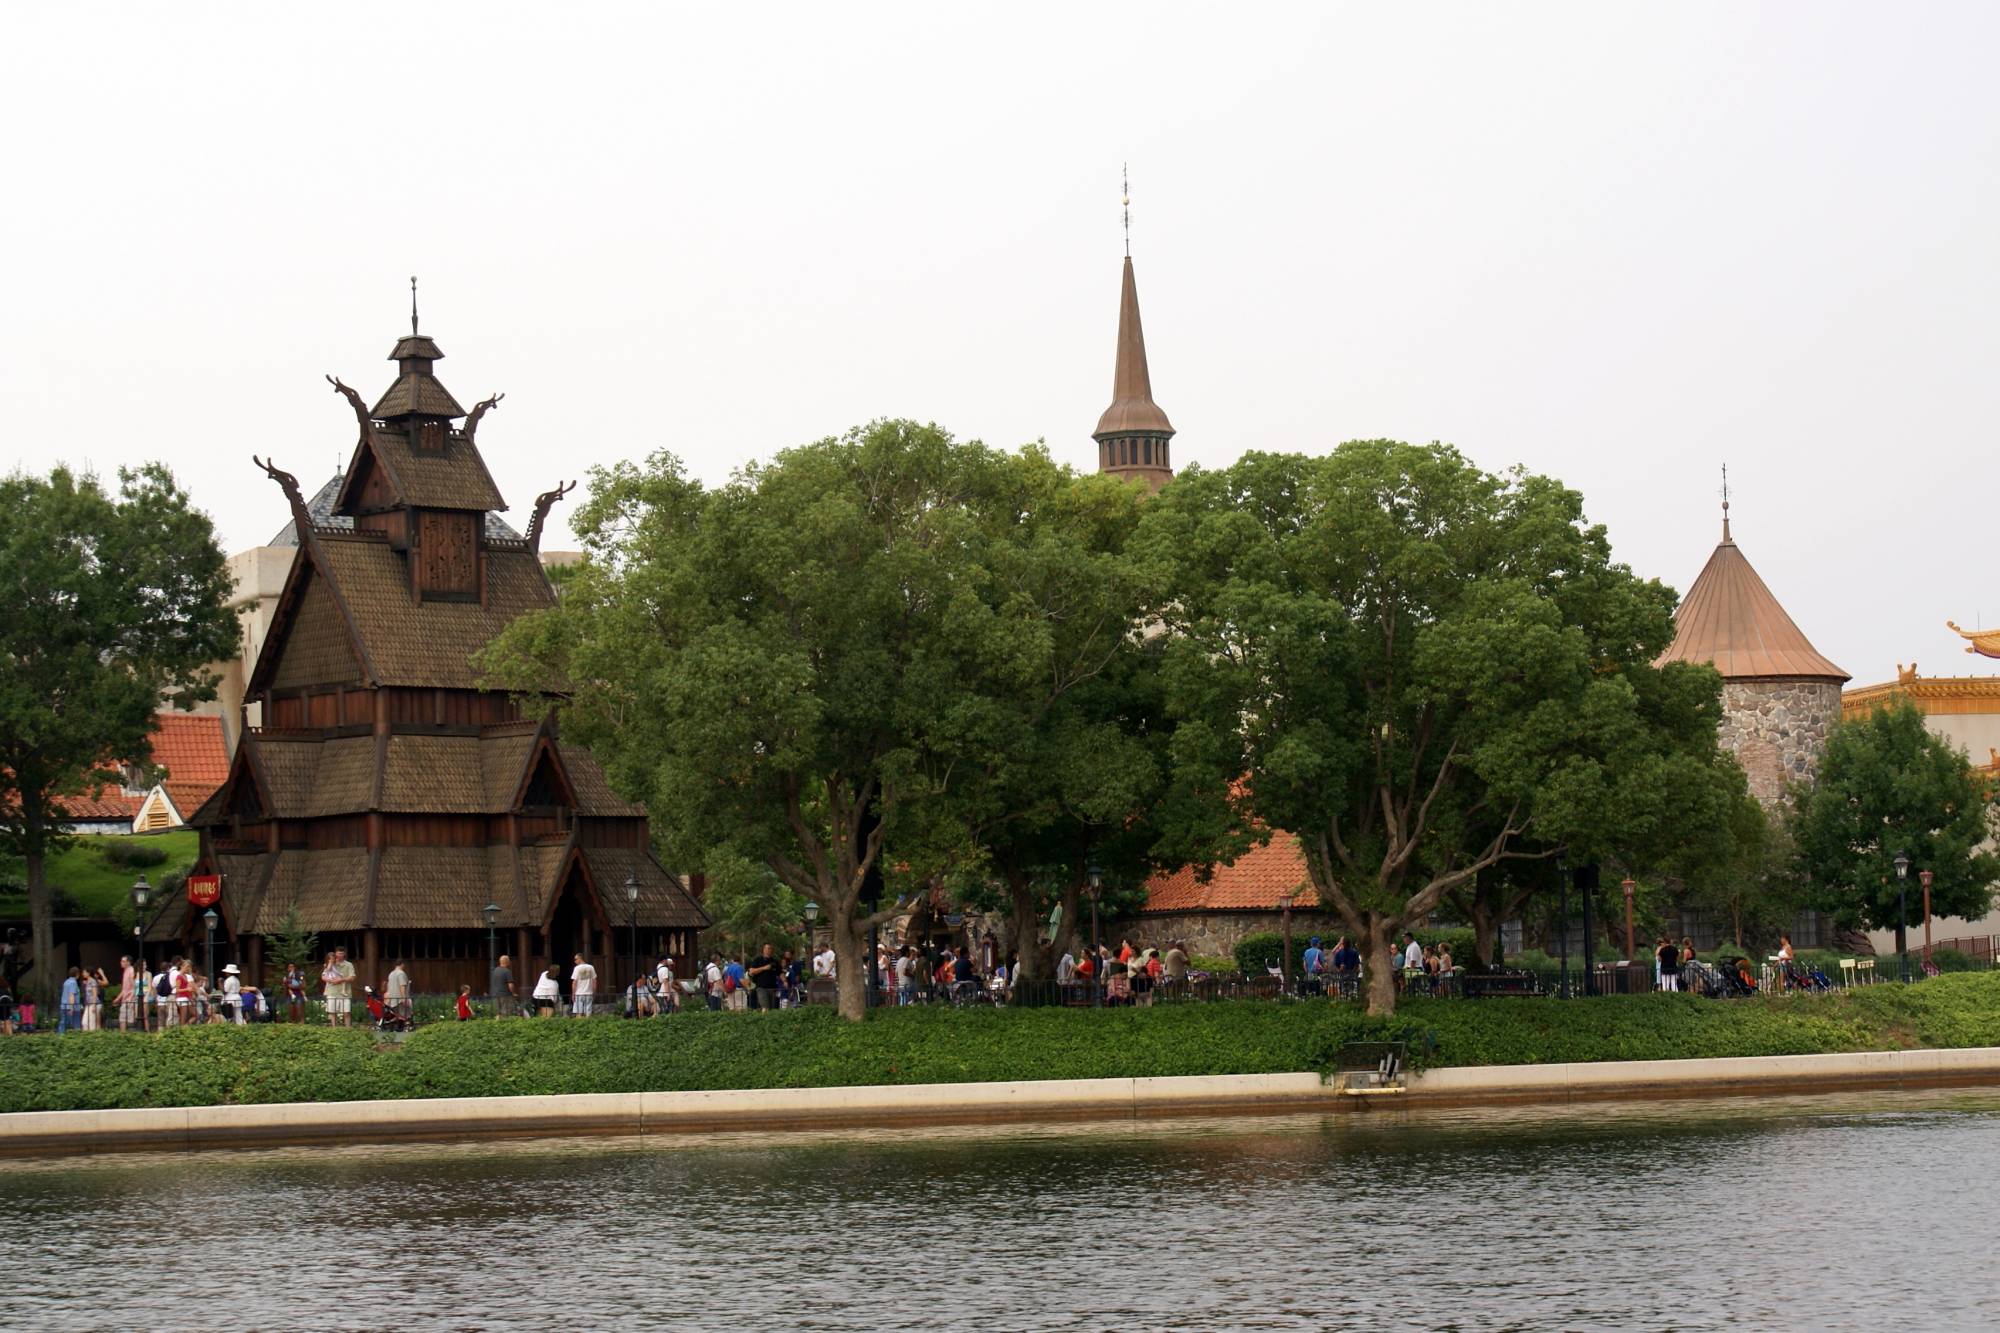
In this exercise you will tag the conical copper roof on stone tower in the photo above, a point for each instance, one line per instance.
(1730, 618)
(1132, 434)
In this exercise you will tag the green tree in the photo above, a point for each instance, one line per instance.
(1887, 785)
(115, 604)
(1425, 671)
(291, 944)
(748, 907)
(1059, 767)
(773, 665)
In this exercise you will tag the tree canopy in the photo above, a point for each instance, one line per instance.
(1887, 785)
(863, 644)
(115, 604)
(1425, 671)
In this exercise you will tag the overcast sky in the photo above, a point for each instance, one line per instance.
(1619, 244)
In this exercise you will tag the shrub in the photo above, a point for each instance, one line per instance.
(133, 853)
(813, 1047)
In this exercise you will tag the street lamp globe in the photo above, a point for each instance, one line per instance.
(631, 888)
(141, 892)
(812, 911)
(1902, 864)
(1094, 875)
(210, 919)
(492, 914)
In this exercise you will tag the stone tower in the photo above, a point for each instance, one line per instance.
(1779, 696)
(1132, 434)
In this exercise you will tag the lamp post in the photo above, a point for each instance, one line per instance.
(1094, 879)
(1285, 959)
(1628, 885)
(211, 920)
(492, 914)
(632, 902)
(812, 929)
(1902, 864)
(141, 892)
(1924, 878)
(1562, 891)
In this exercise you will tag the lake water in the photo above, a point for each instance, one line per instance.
(1872, 1212)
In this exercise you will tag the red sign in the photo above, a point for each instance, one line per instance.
(203, 890)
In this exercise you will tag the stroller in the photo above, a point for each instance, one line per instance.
(386, 1019)
(1738, 981)
(1704, 979)
(1811, 980)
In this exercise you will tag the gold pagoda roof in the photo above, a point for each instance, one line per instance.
(1985, 642)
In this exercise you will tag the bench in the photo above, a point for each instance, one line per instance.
(1479, 985)
(1370, 1064)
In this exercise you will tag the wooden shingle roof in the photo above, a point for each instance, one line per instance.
(428, 643)
(453, 479)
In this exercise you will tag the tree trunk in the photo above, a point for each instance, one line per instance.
(1485, 932)
(1027, 926)
(850, 963)
(1379, 943)
(41, 915)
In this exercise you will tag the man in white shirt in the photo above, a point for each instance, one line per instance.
(582, 987)
(712, 982)
(396, 991)
(823, 963)
(1413, 952)
(663, 977)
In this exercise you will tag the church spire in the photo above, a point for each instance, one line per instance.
(1132, 434)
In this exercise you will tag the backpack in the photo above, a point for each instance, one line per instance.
(163, 986)
(728, 982)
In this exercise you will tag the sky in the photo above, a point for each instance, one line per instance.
(1619, 244)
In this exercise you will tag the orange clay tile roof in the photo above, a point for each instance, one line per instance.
(1250, 883)
(192, 750)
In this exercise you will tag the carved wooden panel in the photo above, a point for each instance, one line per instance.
(447, 552)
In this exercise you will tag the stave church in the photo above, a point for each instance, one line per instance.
(387, 801)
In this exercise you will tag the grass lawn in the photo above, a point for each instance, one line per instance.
(94, 885)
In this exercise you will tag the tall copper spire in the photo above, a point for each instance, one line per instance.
(1132, 434)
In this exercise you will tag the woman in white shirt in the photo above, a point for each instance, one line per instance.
(547, 992)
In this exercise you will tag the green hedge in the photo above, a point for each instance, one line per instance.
(814, 1048)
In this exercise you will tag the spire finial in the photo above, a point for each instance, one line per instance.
(413, 305)
(1125, 180)
(1725, 502)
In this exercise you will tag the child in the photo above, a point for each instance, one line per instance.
(464, 1003)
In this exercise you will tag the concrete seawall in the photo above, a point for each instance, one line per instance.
(55, 1132)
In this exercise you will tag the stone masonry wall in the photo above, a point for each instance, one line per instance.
(1777, 729)
(1213, 934)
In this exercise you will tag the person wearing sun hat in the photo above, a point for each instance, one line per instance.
(232, 994)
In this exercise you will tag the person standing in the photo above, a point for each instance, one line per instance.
(232, 994)
(1176, 963)
(69, 1005)
(548, 993)
(295, 994)
(396, 991)
(712, 983)
(763, 978)
(500, 988)
(338, 982)
(582, 987)
(129, 985)
(1670, 965)
(665, 979)
(93, 999)
(465, 1002)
